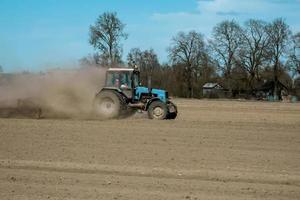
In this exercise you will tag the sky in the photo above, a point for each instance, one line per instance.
(36, 35)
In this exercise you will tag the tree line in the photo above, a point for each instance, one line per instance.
(239, 57)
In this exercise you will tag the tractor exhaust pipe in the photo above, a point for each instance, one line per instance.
(149, 84)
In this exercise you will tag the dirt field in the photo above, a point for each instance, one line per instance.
(213, 150)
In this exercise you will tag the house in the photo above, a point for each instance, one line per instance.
(213, 90)
(266, 89)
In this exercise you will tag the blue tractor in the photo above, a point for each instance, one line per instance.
(123, 95)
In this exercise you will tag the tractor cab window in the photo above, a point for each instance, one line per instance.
(119, 79)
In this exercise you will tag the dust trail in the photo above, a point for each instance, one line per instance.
(59, 93)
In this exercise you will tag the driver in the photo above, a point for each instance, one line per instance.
(124, 83)
(117, 83)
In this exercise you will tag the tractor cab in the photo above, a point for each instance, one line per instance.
(123, 79)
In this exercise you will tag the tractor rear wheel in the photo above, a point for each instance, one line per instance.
(157, 110)
(109, 105)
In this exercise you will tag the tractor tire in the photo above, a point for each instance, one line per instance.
(172, 110)
(109, 105)
(157, 110)
(172, 115)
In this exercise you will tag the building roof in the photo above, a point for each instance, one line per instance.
(212, 86)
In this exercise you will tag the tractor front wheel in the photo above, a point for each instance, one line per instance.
(172, 110)
(157, 110)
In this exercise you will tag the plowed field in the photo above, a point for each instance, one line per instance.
(213, 150)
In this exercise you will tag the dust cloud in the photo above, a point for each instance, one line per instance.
(56, 93)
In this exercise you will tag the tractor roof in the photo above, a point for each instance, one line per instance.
(121, 69)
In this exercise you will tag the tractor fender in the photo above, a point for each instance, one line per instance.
(109, 88)
(117, 90)
(150, 101)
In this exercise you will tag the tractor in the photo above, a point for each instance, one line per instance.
(123, 95)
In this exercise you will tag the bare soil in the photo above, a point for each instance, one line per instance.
(213, 150)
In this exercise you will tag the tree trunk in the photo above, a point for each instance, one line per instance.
(275, 91)
(190, 81)
(251, 82)
(189, 87)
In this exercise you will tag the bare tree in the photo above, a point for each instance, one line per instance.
(294, 54)
(147, 61)
(1, 69)
(279, 35)
(105, 36)
(224, 46)
(134, 57)
(150, 66)
(187, 50)
(253, 53)
(90, 61)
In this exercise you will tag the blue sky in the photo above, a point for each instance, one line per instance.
(40, 34)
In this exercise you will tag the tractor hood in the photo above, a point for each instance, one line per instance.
(161, 94)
